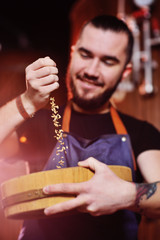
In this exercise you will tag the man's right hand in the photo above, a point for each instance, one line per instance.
(41, 80)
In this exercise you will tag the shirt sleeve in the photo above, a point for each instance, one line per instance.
(149, 138)
(144, 136)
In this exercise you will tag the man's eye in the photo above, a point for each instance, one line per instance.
(109, 62)
(84, 55)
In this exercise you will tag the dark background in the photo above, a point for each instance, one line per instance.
(30, 29)
(35, 24)
(45, 25)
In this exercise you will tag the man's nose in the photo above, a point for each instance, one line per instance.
(92, 68)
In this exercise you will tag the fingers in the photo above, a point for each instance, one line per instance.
(42, 72)
(41, 62)
(41, 80)
(81, 203)
(44, 69)
(93, 164)
(44, 81)
(65, 206)
(47, 89)
(65, 188)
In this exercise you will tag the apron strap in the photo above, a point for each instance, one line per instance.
(66, 117)
(120, 129)
(117, 122)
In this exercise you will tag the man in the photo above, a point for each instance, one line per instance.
(109, 206)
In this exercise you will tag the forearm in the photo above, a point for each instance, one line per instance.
(11, 117)
(147, 200)
(41, 80)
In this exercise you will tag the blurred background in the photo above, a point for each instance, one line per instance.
(33, 29)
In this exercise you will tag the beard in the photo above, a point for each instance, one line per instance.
(94, 103)
(82, 102)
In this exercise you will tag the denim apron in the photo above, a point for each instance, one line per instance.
(113, 149)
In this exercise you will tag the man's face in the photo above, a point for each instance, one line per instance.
(97, 63)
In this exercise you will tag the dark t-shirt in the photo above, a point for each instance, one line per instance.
(40, 133)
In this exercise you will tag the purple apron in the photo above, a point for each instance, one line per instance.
(114, 149)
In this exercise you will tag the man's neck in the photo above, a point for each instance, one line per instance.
(103, 109)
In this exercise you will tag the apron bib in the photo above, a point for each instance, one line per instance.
(111, 149)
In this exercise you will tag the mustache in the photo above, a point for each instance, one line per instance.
(91, 79)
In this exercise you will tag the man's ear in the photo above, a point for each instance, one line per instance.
(127, 71)
(72, 49)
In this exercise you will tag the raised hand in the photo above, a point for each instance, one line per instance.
(41, 80)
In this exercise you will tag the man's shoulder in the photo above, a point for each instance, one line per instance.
(134, 122)
(140, 130)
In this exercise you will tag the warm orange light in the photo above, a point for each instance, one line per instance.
(23, 139)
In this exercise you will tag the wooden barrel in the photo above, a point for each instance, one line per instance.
(23, 197)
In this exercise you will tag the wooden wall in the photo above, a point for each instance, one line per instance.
(145, 107)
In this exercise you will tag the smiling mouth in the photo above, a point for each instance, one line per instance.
(90, 81)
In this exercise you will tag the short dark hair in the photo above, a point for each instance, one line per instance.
(108, 22)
